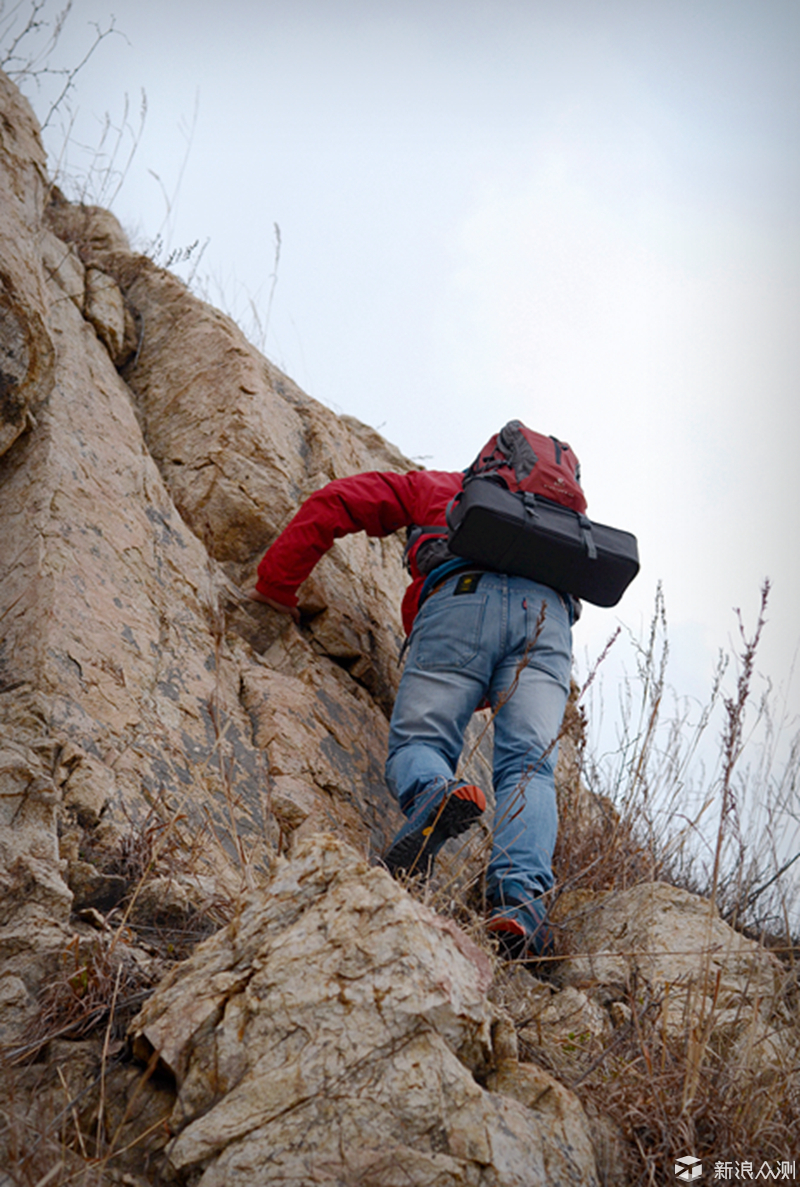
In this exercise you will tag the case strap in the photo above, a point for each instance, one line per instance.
(588, 538)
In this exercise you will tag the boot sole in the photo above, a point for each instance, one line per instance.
(454, 817)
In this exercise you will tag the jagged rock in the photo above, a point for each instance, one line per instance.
(123, 670)
(93, 231)
(335, 1029)
(564, 1029)
(562, 1114)
(567, 1020)
(292, 801)
(240, 445)
(110, 647)
(319, 728)
(174, 901)
(35, 901)
(89, 785)
(534, 1087)
(129, 662)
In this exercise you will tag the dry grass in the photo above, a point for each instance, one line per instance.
(74, 1107)
(727, 828)
(668, 1103)
(98, 982)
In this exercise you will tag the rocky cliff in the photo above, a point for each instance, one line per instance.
(205, 974)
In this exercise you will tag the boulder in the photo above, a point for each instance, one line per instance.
(673, 952)
(338, 1030)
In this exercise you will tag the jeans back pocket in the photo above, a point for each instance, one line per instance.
(449, 631)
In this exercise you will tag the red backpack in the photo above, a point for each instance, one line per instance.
(530, 462)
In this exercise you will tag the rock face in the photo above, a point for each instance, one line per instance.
(140, 484)
(334, 1033)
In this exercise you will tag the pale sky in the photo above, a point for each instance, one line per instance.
(583, 214)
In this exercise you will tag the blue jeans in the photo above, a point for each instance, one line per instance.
(497, 644)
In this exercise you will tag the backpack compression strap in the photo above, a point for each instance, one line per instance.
(512, 442)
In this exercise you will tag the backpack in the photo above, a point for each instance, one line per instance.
(521, 510)
(528, 462)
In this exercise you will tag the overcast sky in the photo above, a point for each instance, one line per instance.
(582, 214)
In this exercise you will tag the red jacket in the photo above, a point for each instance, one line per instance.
(376, 503)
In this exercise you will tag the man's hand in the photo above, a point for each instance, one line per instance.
(255, 596)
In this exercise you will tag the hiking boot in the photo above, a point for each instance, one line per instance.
(529, 943)
(449, 815)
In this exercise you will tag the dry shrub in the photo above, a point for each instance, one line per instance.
(86, 1116)
(74, 1108)
(604, 852)
(168, 862)
(97, 980)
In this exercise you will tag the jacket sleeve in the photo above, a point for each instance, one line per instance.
(376, 503)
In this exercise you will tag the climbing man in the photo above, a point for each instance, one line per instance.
(476, 636)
